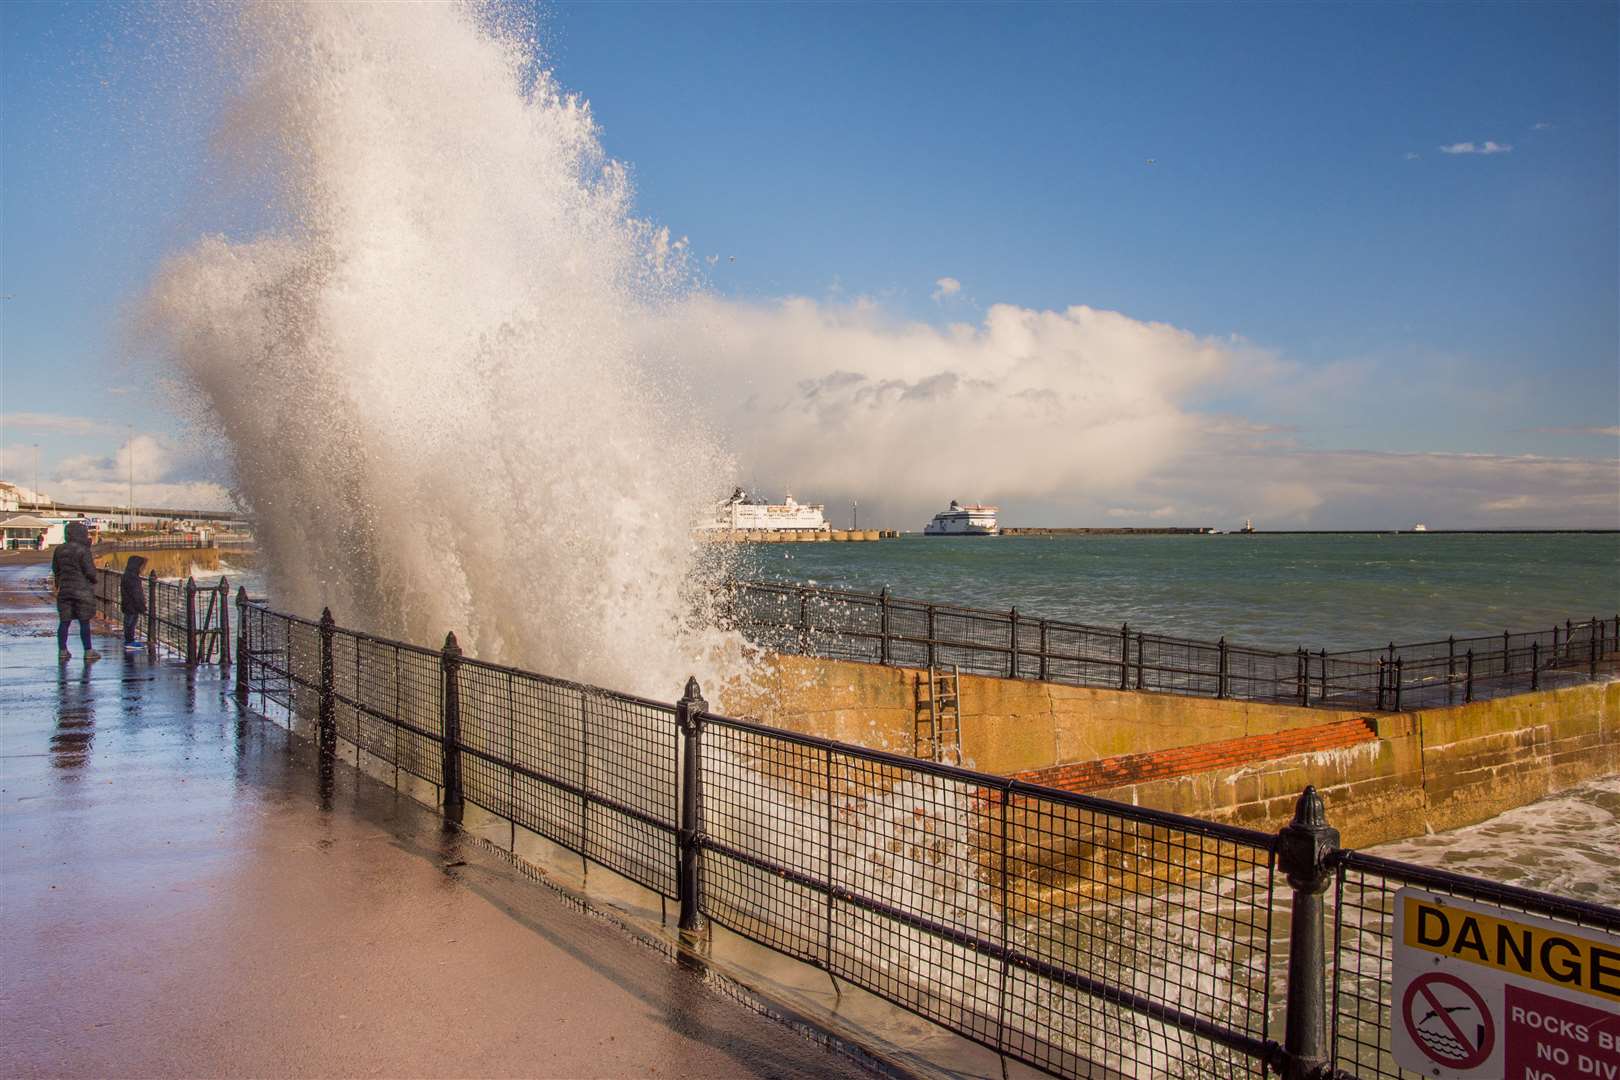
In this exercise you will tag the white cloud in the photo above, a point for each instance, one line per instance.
(1412, 156)
(946, 286)
(1612, 432)
(840, 400)
(1072, 417)
(72, 425)
(165, 474)
(1541, 125)
(1486, 147)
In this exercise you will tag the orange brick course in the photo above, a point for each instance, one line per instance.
(1203, 757)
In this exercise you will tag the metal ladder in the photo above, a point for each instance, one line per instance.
(938, 731)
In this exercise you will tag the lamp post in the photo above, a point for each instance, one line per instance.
(131, 527)
(36, 477)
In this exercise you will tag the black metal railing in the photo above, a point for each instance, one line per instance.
(1077, 935)
(190, 620)
(881, 628)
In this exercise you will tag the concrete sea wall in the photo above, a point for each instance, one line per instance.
(1384, 776)
(165, 562)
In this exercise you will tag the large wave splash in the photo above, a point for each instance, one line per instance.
(425, 372)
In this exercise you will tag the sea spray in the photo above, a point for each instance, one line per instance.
(425, 373)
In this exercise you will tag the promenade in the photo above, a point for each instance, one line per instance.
(181, 899)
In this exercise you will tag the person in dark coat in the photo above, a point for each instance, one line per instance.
(132, 598)
(75, 572)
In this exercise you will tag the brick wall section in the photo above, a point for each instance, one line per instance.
(1203, 757)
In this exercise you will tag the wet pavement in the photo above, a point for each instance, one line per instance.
(181, 898)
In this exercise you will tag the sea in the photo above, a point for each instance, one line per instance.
(1319, 590)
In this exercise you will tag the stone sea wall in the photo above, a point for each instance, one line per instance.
(1384, 775)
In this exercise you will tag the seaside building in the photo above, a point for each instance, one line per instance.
(23, 532)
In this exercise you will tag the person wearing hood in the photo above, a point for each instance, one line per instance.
(132, 596)
(74, 571)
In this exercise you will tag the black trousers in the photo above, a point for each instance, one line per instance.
(130, 619)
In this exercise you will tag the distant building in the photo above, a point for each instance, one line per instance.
(24, 532)
(10, 498)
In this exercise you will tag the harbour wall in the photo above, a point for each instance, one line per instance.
(1385, 776)
(1151, 530)
(165, 562)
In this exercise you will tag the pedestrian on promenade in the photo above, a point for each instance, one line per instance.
(74, 571)
(132, 597)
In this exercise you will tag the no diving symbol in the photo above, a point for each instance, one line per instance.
(1448, 1020)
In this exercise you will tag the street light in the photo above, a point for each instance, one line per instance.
(131, 478)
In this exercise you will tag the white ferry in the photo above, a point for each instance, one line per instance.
(959, 520)
(740, 512)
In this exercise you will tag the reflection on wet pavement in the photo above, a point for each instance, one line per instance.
(181, 897)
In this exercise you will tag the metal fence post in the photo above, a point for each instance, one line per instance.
(804, 621)
(1220, 668)
(933, 653)
(1451, 667)
(151, 614)
(1507, 653)
(1141, 661)
(1304, 676)
(1399, 679)
(1592, 630)
(1012, 635)
(191, 622)
(1045, 648)
(1535, 665)
(223, 603)
(1569, 641)
(1468, 678)
(1382, 683)
(688, 718)
(326, 737)
(450, 744)
(1124, 656)
(243, 675)
(883, 626)
(1303, 847)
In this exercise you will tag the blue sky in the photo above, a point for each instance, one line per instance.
(1410, 300)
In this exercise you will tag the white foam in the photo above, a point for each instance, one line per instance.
(1568, 843)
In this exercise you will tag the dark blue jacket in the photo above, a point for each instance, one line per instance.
(132, 589)
(74, 567)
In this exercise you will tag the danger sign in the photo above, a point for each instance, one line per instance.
(1481, 991)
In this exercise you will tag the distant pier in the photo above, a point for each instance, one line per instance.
(1166, 530)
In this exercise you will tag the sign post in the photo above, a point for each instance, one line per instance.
(1488, 993)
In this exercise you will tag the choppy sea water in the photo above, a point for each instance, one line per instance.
(1320, 591)
(1567, 843)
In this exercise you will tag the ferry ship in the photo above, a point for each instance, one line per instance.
(959, 520)
(740, 512)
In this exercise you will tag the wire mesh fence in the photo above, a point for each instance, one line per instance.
(1080, 936)
(1074, 935)
(1364, 922)
(190, 621)
(880, 628)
